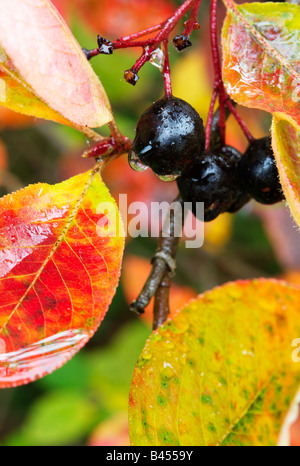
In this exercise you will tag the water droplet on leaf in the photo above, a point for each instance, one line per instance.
(40, 358)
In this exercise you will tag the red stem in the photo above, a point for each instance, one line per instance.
(214, 42)
(219, 89)
(217, 68)
(166, 72)
(192, 23)
(139, 34)
(138, 43)
(240, 121)
(210, 119)
(162, 35)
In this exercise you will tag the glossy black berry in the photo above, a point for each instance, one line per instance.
(257, 168)
(211, 180)
(241, 197)
(169, 135)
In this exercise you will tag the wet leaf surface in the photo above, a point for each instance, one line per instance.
(59, 268)
(286, 147)
(221, 371)
(261, 56)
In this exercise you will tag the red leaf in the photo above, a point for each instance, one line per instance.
(58, 274)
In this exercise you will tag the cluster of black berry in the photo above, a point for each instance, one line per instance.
(170, 138)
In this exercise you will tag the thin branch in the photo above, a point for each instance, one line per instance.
(162, 300)
(163, 268)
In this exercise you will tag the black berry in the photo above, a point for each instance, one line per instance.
(241, 197)
(257, 168)
(169, 135)
(211, 180)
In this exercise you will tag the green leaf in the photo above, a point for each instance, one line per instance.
(59, 418)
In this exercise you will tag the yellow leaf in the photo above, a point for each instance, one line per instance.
(286, 147)
(221, 372)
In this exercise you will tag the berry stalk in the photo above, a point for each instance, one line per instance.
(219, 89)
(150, 45)
(192, 23)
(163, 35)
(166, 72)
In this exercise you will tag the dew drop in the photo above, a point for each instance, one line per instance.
(157, 59)
(168, 344)
(146, 355)
(135, 162)
(167, 177)
(38, 359)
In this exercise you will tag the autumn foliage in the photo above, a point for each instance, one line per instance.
(232, 349)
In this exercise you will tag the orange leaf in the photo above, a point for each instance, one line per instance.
(45, 55)
(58, 273)
(261, 56)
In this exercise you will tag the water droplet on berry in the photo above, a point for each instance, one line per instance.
(167, 177)
(135, 162)
(157, 59)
